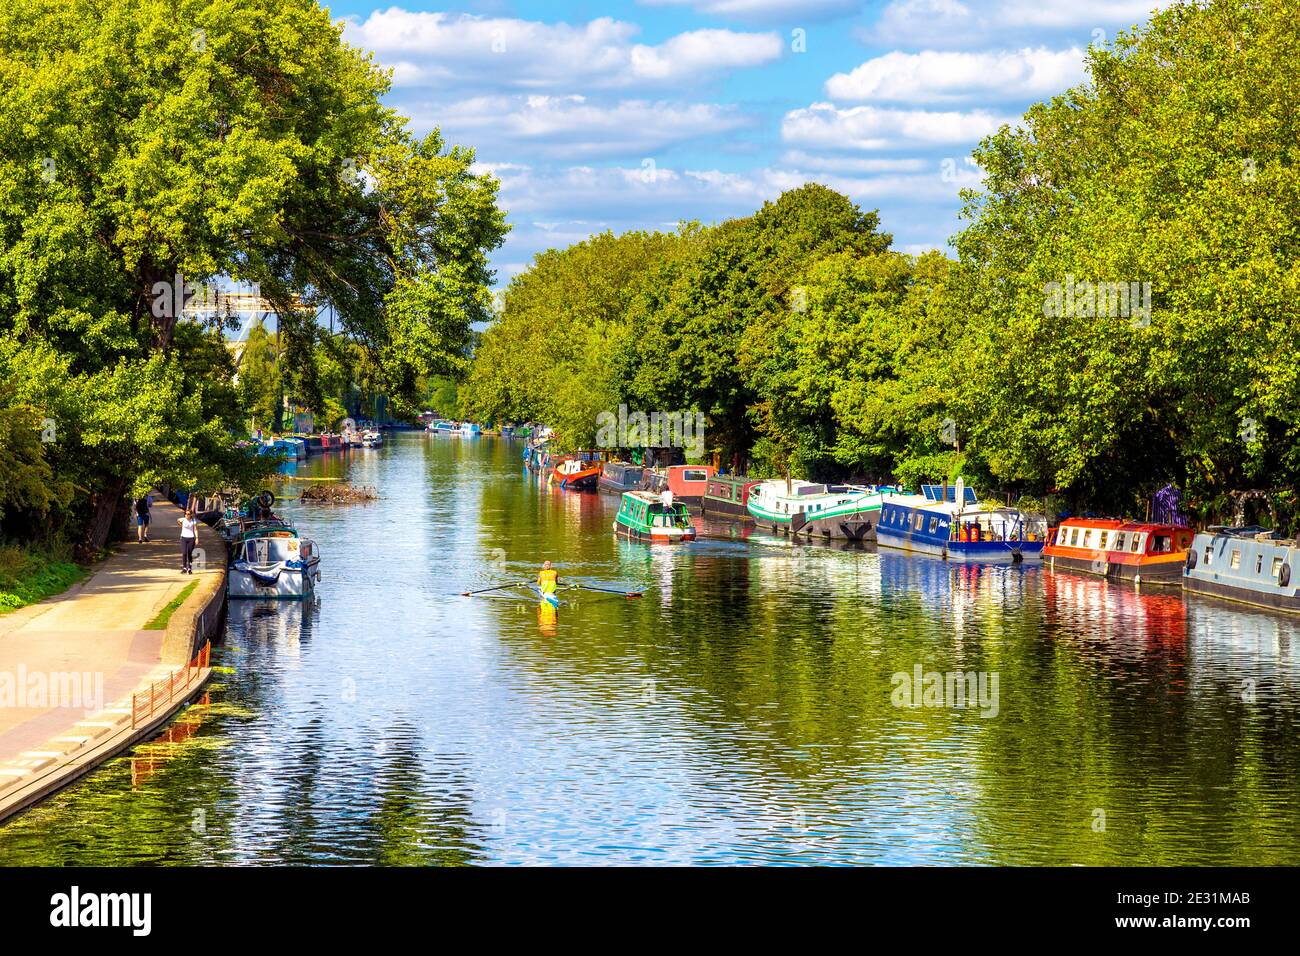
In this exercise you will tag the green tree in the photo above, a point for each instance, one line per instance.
(1173, 166)
(144, 142)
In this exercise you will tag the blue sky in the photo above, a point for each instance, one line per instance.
(636, 114)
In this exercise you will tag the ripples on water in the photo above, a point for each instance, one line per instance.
(739, 712)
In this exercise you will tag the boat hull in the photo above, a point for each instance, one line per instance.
(860, 526)
(655, 535)
(730, 510)
(1168, 573)
(289, 584)
(984, 552)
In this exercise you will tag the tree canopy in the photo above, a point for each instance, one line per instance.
(152, 147)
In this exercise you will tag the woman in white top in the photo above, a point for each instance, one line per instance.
(189, 537)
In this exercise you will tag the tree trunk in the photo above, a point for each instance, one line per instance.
(105, 506)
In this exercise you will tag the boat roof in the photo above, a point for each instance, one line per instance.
(1246, 531)
(1121, 524)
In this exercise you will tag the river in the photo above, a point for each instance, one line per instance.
(745, 710)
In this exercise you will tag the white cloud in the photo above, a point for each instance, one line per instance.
(497, 53)
(551, 208)
(791, 11)
(824, 126)
(948, 77)
(569, 128)
(959, 23)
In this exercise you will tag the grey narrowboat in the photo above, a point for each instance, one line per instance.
(1247, 565)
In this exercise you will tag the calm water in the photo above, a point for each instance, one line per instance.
(740, 712)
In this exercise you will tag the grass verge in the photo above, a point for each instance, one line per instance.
(159, 623)
(27, 577)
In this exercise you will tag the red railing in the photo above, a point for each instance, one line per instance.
(145, 704)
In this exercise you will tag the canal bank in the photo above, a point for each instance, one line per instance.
(89, 673)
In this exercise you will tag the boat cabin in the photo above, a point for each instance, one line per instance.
(1141, 550)
(689, 482)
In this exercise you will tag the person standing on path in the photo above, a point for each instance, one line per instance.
(189, 537)
(142, 506)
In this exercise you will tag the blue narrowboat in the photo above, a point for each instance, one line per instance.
(951, 523)
(1248, 565)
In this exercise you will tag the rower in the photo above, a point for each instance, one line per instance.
(548, 579)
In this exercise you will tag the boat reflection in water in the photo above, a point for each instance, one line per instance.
(284, 626)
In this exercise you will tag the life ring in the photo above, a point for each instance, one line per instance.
(1191, 559)
(265, 498)
(1284, 575)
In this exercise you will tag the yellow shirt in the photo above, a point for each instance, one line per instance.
(547, 580)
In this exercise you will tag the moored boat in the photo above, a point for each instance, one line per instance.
(1247, 565)
(642, 516)
(727, 496)
(949, 521)
(372, 438)
(846, 512)
(269, 559)
(577, 472)
(689, 482)
(1140, 551)
(620, 476)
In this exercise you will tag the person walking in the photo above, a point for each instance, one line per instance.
(189, 538)
(143, 504)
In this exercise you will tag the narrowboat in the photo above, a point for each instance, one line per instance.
(950, 522)
(846, 512)
(1247, 565)
(268, 559)
(727, 496)
(620, 476)
(578, 472)
(689, 482)
(643, 517)
(1143, 552)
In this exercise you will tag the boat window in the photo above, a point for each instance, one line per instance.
(694, 475)
(1277, 566)
(1119, 540)
(1074, 537)
(920, 522)
(1164, 544)
(934, 522)
(1087, 537)
(1235, 563)
(1136, 544)
(1259, 563)
(1102, 543)
(1209, 553)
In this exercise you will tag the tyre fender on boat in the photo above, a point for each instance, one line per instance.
(1284, 575)
(1191, 558)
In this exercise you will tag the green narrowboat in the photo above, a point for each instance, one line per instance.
(643, 516)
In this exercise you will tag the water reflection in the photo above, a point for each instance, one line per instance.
(739, 712)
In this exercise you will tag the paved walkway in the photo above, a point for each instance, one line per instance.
(67, 663)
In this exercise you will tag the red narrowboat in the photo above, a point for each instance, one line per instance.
(578, 472)
(1138, 551)
(688, 483)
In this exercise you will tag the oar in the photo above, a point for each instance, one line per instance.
(626, 594)
(499, 587)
